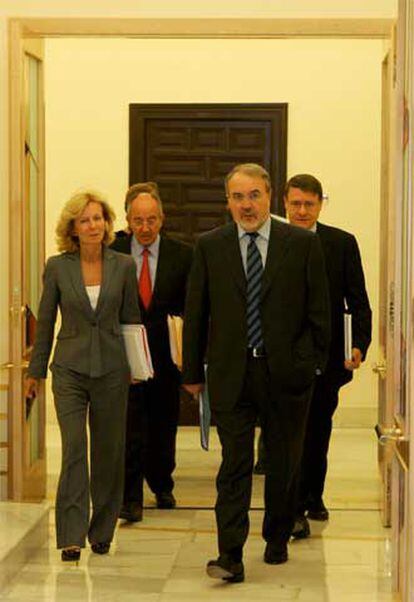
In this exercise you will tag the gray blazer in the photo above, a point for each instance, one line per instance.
(89, 342)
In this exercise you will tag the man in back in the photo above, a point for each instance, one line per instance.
(303, 203)
(163, 265)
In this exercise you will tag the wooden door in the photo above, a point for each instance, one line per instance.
(188, 150)
(27, 460)
(398, 414)
(386, 322)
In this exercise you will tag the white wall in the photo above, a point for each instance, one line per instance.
(333, 89)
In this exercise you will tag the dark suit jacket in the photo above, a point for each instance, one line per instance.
(89, 342)
(294, 311)
(347, 289)
(174, 262)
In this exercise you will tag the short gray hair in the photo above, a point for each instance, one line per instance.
(139, 188)
(250, 169)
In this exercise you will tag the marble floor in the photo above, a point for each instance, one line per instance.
(163, 558)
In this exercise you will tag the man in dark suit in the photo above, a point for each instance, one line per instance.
(163, 265)
(303, 203)
(257, 310)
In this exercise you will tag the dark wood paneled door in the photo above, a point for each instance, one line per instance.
(189, 148)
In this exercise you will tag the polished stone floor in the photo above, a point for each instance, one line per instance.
(163, 558)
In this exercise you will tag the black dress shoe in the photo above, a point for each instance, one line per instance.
(227, 569)
(301, 528)
(317, 510)
(131, 512)
(101, 548)
(275, 553)
(71, 554)
(165, 500)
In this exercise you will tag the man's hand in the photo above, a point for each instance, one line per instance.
(30, 387)
(356, 359)
(194, 389)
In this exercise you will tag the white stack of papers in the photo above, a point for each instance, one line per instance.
(204, 414)
(175, 332)
(205, 417)
(348, 336)
(137, 350)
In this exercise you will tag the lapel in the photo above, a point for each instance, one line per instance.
(124, 245)
(163, 269)
(75, 273)
(234, 259)
(329, 248)
(276, 250)
(108, 276)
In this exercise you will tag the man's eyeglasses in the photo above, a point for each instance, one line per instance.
(151, 221)
(309, 205)
(238, 197)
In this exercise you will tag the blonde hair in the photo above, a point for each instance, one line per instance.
(73, 208)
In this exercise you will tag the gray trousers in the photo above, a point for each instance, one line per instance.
(102, 401)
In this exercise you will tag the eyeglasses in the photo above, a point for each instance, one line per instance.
(309, 205)
(238, 197)
(150, 221)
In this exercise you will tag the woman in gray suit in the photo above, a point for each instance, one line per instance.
(95, 289)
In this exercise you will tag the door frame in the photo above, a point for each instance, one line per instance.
(22, 481)
(386, 318)
(402, 489)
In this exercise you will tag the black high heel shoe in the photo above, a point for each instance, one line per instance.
(71, 554)
(101, 548)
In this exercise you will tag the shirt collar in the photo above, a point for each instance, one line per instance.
(263, 231)
(153, 248)
(313, 228)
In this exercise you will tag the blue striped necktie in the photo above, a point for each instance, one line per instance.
(254, 287)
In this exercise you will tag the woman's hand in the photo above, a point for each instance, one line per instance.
(31, 386)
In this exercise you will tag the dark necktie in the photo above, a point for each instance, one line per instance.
(254, 287)
(144, 282)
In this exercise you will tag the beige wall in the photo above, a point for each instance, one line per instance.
(333, 91)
